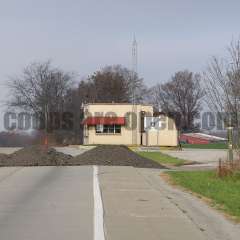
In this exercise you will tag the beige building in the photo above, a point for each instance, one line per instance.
(127, 124)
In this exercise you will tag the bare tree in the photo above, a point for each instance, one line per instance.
(109, 87)
(74, 99)
(40, 89)
(222, 85)
(180, 97)
(132, 83)
(111, 84)
(114, 84)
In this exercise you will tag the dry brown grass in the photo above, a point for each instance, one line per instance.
(228, 168)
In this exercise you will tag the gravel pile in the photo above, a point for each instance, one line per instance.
(101, 155)
(34, 156)
(3, 156)
(110, 155)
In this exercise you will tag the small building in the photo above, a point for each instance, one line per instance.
(127, 124)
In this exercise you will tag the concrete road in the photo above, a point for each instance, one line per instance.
(50, 203)
(104, 203)
(138, 204)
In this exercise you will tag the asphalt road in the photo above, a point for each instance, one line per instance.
(102, 203)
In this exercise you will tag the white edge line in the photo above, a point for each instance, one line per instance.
(98, 207)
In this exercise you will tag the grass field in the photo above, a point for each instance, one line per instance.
(224, 193)
(163, 158)
(220, 145)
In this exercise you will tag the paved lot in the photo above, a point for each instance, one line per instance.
(55, 203)
(199, 155)
(207, 158)
(70, 150)
(9, 150)
(74, 150)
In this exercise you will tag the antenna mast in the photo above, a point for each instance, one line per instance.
(134, 75)
(134, 56)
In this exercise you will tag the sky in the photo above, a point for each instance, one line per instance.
(84, 36)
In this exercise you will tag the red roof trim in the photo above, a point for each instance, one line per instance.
(91, 121)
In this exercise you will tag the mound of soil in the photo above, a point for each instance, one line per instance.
(102, 155)
(3, 156)
(110, 155)
(34, 156)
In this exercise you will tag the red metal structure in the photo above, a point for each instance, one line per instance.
(193, 139)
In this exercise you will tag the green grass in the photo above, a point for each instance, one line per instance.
(219, 145)
(224, 193)
(163, 158)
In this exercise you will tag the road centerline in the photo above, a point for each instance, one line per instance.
(98, 207)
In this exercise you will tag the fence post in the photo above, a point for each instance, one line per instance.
(230, 145)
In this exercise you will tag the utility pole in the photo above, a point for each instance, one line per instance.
(230, 144)
(46, 126)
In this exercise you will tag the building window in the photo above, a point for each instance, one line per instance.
(99, 128)
(113, 129)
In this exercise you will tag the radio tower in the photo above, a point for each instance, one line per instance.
(134, 106)
(134, 55)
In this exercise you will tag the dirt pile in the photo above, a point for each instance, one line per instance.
(114, 156)
(102, 155)
(34, 156)
(3, 156)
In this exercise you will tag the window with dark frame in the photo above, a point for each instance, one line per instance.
(112, 129)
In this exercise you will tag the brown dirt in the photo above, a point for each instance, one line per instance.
(101, 155)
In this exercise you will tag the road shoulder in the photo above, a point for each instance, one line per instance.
(134, 208)
(213, 224)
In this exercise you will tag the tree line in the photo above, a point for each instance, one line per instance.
(43, 89)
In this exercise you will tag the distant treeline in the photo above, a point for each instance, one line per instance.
(13, 139)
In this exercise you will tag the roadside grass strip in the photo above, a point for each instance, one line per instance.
(223, 193)
(206, 146)
(163, 158)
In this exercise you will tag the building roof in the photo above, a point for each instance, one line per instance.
(204, 136)
(91, 121)
(139, 104)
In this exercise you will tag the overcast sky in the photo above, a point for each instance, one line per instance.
(84, 36)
